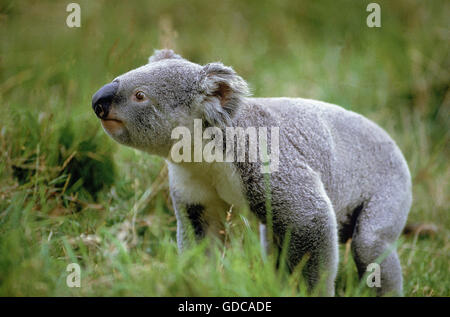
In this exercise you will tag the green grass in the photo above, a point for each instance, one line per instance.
(68, 193)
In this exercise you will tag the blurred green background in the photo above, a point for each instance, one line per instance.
(68, 193)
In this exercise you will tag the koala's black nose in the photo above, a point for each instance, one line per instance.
(101, 101)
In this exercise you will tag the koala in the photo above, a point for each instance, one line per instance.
(340, 175)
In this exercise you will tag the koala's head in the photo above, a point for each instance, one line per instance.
(141, 107)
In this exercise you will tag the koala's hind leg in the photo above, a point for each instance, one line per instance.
(377, 228)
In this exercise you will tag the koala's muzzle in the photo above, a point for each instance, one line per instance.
(101, 101)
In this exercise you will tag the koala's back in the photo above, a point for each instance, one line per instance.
(353, 156)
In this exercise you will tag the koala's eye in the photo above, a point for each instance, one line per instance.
(140, 96)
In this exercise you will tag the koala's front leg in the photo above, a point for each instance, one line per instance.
(314, 237)
(199, 210)
(190, 223)
(197, 220)
(307, 219)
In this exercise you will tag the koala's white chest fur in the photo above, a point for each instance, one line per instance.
(207, 183)
(229, 186)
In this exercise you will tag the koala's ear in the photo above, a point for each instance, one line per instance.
(163, 54)
(224, 90)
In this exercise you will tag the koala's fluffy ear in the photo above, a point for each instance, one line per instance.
(163, 54)
(224, 90)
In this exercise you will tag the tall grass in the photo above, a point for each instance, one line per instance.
(69, 194)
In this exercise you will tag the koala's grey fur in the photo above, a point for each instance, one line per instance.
(340, 176)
